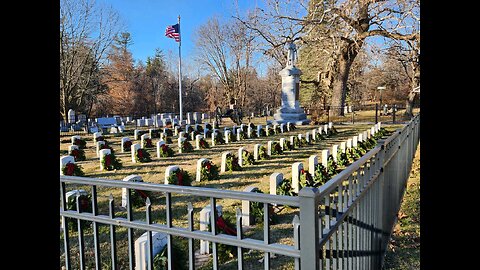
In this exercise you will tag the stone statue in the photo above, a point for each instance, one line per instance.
(291, 57)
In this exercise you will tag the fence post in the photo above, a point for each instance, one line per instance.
(309, 232)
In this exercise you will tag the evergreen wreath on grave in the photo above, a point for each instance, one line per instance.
(208, 126)
(160, 261)
(138, 197)
(363, 147)
(306, 179)
(262, 153)
(189, 130)
(371, 142)
(287, 145)
(72, 169)
(155, 133)
(353, 154)
(285, 188)
(106, 146)
(203, 143)
(85, 207)
(166, 151)
(381, 133)
(332, 131)
(331, 166)
(78, 154)
(142, 155)
(168, 139)
(199, 129)
(292, 127)
(110, 162)
(277, 130)
(319, 136)
(219, 138)
(169, 132)
(180, 177)
(321, 175)
(147, 143)
(225, 224)
(256, 210)
(262, 133)
(209, 171)
(270, 131)
(231, 138)
(276, 149)
(303, 141)
(82, 144)
(296, 142)
(99, 138)
(127, 146)
(247, 158)
(231, 163)
(208, 134)
(186, 146)
(252, 126)
(342, 159)
(242, 134)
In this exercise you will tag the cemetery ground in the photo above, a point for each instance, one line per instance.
(281, 230)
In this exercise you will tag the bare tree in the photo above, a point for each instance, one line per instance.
(86, 32)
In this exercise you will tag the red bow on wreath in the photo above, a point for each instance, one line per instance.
(180, 178)
(223, 226)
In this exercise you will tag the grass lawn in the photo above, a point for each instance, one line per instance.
(154, 172)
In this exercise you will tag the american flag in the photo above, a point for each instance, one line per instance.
(173, 31)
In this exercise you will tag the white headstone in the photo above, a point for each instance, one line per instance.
(247, 219)
(199, 168)
(360, 137)
(292, 141)
(214, 134)
(249, 132)
(96, 135)
(113, 130)
(239, 133)
(168, 171)
(136, 133)
(330, 125)
(197, 141)
(133, 150)
(226, 134)
(159, 241)
(282, 143)
(312, 162)
(130, 178)
(269, 148)
(64, 160)
(325, 154)
(71, 116)
(240, 156)
(349, 143)
(102, 153)
(307, 137)
(267, 132)
(204, 223)
(121, 129)
(75, 137)
(354, 141)
(314, 135)
(334, 152)
(124, 139)
(325, 127)
(372, 131)
(289, 126)
(159, 145)
(282, 127)
(72, 147)
(365, 135)
(143, 138)
(320, 130)
(275, 180)
(256, 150)
(180, 142)
(296, 167)
(343, 147)
(224, 163)
(99, 147)
(259, 128)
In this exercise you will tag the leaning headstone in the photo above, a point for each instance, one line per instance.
(224, 161)
(247, 218)
(64, 160)
(99, 147)
(312, 162)
(256, 148)
(130, 178)
(240, 156)
(275, 180)
(296, 168)
(159, 146)
(101, 154)
(159, 242)
(134, 149)
(168, 171)
(204, 224)
(334, 152)
(325, 154)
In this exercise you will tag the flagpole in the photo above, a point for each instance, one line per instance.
(180, 72)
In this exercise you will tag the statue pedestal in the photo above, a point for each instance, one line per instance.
(290, 111)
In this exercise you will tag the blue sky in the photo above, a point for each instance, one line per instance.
(146, 21)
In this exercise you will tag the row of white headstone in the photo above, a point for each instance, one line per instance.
(277, 178)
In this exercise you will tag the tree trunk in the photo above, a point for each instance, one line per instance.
(339, 92)
(409, 104)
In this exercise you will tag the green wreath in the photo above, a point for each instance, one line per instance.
(180, 177)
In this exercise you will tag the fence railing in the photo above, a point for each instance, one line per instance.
(345, 224)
